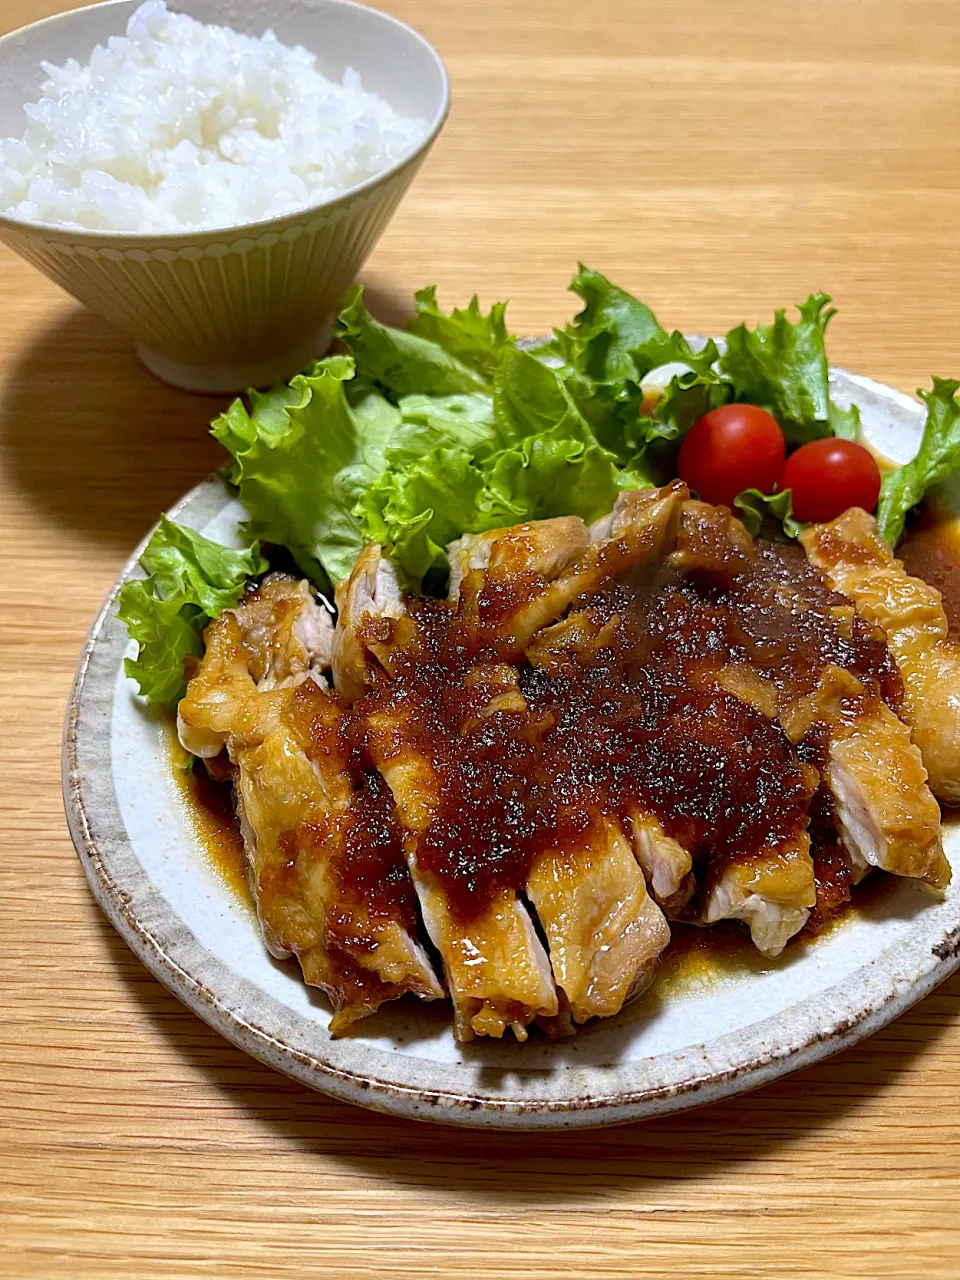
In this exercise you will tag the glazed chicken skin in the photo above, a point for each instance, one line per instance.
(709, 788)
(312, 836)
(859, 563)
(511, 583)
(886, 814)
(604, 930)
(278, 638)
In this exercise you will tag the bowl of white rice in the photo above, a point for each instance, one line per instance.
(210, 176)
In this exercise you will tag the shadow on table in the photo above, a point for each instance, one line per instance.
(550, 1169)
(96, 443)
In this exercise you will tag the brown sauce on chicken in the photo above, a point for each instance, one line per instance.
(372, 866)
(369, 866)
(628, 718)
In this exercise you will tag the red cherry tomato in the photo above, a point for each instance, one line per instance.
(731, 449)
(827, 476)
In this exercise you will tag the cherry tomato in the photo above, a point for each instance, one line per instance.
(827, 476)
(730, 449)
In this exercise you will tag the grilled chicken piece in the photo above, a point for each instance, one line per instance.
(772, 888)
(541, 550)
(772, 892)
(633, 505)
(287, 633)
(507, 584)
(284, 637)
(301, 818)
(712, 546)
(303, 823)
(886, 813)
(785, 869)
(859, 563)
(497, 972)
(603, 929)
(666, 864)
(371, 591)
(511, 583)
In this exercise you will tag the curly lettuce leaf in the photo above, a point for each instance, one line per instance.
(401, 362)
(616, 340)
(556, 465)
(937, 458)
(466, 419)
(167, 632)
(548, 463)
(416, 508)
(180, 561)
(685, 398)
(447, 427)
(335, 464)
(755, 507)
(782, 367)
(607, 351)
(190, 580)
(466, 333)
(331, 463)
(301, 463)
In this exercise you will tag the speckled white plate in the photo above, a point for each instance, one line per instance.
(153, 880)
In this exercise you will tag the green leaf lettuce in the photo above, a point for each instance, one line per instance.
(538, 459)
(755, 507)
(302, 461)
(189, 581)
(467, 334)
(782, 367)
(422, 446)
(937, 457)
(402, 362)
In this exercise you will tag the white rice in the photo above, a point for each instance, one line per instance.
(183, 126)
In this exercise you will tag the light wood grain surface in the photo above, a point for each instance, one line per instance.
(723, 157)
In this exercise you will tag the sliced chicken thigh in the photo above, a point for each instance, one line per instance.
(526, 578)
(603, 929)
(305, 825)
(859, 563)
(497, 972)
(772, 893)
(886, 814)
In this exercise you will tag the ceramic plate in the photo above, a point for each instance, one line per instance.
(698, 1042)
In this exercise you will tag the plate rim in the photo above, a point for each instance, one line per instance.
(100, 836)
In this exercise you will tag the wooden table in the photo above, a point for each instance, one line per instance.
(722, 159)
